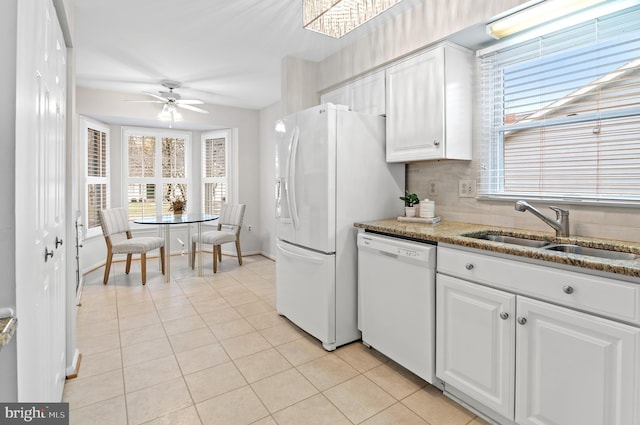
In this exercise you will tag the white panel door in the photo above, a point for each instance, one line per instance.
(475, 345)
(306, 291)
(574, 368)
(40, 201)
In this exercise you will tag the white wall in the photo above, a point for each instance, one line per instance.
(268, 117)
(111, 108)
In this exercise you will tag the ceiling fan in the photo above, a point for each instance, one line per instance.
(172, 101)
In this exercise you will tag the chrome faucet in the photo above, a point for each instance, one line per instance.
(561, 224)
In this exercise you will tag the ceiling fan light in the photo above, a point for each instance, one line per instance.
(336, 18)
(177, 116)
(165, 114)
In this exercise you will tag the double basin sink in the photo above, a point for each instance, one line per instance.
(543, 244)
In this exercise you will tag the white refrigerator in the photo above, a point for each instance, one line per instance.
(330, 172)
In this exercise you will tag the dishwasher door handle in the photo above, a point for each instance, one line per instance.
(388, 254)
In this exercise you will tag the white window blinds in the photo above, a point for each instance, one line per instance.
(214, 173)
(156, 171)
(97, 174)
(561, 114)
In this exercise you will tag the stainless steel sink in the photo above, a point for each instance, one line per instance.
(551, 246)
(593, 252)
(513, 240)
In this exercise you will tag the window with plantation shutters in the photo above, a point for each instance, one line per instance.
(215, 181)
(96, 187)
(561, 114)
(156, 170)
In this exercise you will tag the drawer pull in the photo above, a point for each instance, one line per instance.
(522, 320)
(504, 315)
(567, 289)
(468, 266)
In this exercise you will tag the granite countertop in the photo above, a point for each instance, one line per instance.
(451, 232)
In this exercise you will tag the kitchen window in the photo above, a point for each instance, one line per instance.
(156, 170)
(215, 171)
(96, 175)
(561, 116)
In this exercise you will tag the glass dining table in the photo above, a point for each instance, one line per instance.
(168, 220)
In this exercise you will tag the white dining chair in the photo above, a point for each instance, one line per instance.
(115, 226)
(229, 225)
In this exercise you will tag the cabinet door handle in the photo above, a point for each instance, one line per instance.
(522, 320)
(567, 289)
(468, 266)
(436, 143)
(504, 315)
(58, 242)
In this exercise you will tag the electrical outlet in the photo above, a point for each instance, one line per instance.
(432, 189)
(249, 228)
(466, 188)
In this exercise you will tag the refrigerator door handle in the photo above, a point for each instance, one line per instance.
(278, 198)
(291, 172)
(300, 256)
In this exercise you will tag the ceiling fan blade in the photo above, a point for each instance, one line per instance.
(189, 102)
(146, 101)
(192, 108)
(155, 95)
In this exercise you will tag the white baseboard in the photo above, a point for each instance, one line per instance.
(73, 370)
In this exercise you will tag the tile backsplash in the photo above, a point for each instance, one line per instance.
(620, 223)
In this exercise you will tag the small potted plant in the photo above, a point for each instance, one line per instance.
(178, 205)
(410, 202)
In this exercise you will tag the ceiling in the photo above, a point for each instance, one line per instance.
(225, 52)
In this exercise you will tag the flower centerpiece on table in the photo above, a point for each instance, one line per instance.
(178, 205)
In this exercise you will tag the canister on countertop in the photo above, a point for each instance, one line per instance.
(427, 208)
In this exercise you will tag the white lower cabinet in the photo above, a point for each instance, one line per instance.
(528, 361)
(574, 368)
(475, 348)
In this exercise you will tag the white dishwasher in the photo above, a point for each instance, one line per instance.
(396, 300)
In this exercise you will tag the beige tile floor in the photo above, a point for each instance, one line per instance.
(213, 350)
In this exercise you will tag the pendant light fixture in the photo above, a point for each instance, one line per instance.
(335, 18)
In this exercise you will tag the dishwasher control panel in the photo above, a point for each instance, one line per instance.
(399, 248)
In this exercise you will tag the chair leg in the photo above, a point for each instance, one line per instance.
(238, 251)
(143, 266)
(162, 259)
(107, 268)
(193, 255)
(219, 252)
(128, 269)
(216, 249)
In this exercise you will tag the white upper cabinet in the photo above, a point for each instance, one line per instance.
(366, 94)
(428, 105)
(339, 96)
